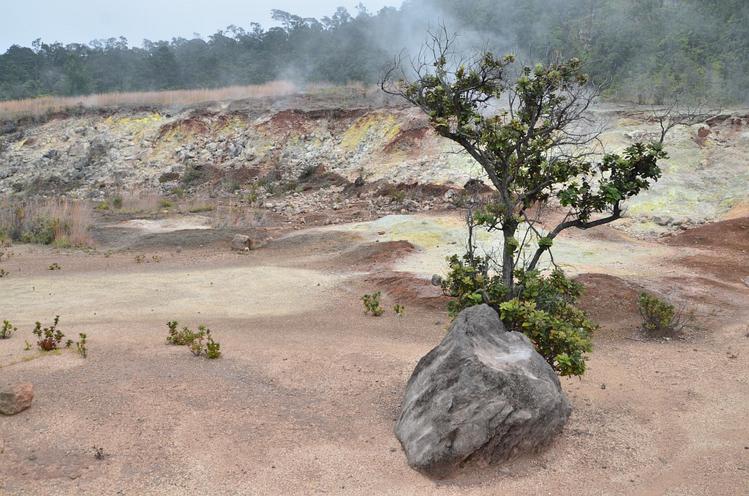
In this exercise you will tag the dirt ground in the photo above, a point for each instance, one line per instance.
(306, 394)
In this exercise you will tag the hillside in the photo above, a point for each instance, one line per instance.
(263, 150)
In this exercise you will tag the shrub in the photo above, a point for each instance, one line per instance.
(200, 343)
(49, 338)
(399, 310)
(81, 345)
(164, 203)
(55, 266)
(102, 205)
(544, 309)
(3, 273)
(183, 337)
(7, 330)
(660, 318)
(372, 304)
(212, 348)
(469, 282)
(117, 202)
(194, 175)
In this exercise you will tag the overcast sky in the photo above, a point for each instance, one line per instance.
(69, 21)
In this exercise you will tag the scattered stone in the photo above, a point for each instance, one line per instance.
(15, 399)
(240, 242)
(482, 394)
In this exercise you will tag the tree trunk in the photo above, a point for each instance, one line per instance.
(508, 259)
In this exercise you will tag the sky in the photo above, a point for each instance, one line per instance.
(80, 21)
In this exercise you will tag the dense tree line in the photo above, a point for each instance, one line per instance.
(643, 49)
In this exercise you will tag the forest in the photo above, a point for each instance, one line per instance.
(642, 51)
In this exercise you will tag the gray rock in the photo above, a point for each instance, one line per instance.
(436, 280)
(482, 394)
(16, 398)
(240, 242)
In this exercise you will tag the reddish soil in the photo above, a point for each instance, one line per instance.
(367, 256)
(306, 394)
(405, 288)
(724, 235)
(611, 302)
(726, 249)
(407, 141)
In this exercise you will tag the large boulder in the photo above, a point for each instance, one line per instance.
(483, 393)
(16, 398)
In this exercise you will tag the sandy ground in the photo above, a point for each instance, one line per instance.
(305, 397)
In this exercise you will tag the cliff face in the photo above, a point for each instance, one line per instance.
(228, 147)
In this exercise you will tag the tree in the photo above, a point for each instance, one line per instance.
(530, 133)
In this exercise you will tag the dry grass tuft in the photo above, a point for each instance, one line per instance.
(61, 222)
(35, 107)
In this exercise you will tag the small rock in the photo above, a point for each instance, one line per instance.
(15, 399)
(240, 242)
(436, 280)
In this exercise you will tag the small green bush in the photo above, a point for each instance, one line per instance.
(200, 343)
(212, 348)
(102, 205)
(164, 203)
(660, 318)
(194, 175)
(183, 337)
(7, 330)
(468, 281)
(117, 202)
(372, 304)
(41, 230)
(49, 338)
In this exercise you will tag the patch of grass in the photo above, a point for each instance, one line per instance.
(165, 204)
(61, 222)
(55, 266)
(197, 209)
(4, 273)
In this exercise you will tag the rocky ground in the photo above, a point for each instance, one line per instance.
(296, 155)
(305, 397)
